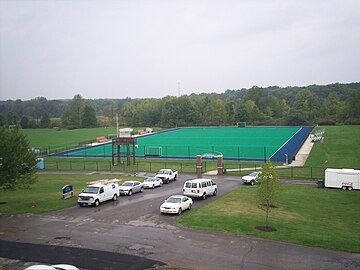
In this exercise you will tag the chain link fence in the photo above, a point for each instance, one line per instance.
(183, 166)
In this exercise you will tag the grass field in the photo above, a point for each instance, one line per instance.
(327, 218)
(340, 148)
(42, 138)
(47, 193)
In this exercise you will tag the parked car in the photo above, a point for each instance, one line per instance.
(131, 187)
(52, 267)
(167, 175)
(152, 182)
(200, 188)
(99, 191)
(251, 179)
(176, 204)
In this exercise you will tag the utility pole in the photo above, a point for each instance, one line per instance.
(117, 125)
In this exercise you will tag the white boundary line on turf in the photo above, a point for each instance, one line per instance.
(286, 142)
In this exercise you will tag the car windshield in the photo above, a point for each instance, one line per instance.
(127, 184)
(164, 172)
(173, 200)
(253, 174)
(150, 180)
(91, 190)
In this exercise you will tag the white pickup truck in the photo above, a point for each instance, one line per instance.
(167, 175)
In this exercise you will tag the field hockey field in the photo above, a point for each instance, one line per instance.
(252, 143)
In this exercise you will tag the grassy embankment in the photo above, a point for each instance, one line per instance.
(327, 218)
(339, 149)
(47, 193)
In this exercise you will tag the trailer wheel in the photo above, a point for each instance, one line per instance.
(344, 187)
(350, 188)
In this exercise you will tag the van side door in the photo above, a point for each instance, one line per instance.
(102, 194)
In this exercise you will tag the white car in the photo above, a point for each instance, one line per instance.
(130, 187)
(176, 204)
(251, 178)
(52, 267)
(152, 182)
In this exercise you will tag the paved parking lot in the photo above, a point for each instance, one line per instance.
(134, 226)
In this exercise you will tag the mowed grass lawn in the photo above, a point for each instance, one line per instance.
(339, 149)
(47, 193)
(43, 138)
(327, 218)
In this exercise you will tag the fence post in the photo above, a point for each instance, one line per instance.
(84, 164)
(110, 165)
(292, 172)
(97, 166)
(181, 167)
(205, 166)
(137, 167)
(311, 173)
(57, 165)
(70, 165)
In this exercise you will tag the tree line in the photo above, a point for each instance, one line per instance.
(328, 104)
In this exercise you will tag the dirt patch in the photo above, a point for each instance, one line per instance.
(266, 228)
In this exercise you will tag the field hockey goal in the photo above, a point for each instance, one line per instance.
(153, 151)
(241, 124)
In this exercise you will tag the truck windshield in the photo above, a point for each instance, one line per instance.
(91, 190)
(164, 172)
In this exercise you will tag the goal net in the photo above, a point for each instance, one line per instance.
(153, 151)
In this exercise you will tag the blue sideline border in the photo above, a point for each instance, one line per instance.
(292, 146)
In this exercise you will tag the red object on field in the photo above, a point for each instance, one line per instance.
(33, 204)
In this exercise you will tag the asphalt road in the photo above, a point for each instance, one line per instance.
(134, 226)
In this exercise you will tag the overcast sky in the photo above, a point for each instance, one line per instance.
(117, 49)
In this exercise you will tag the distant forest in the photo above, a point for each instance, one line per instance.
(324, 105)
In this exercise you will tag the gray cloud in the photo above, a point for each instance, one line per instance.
(143, 48)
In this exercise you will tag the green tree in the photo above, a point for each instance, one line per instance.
(72, 116)
(17, 163)
(25, 122)
(269, 189)
(12, 118)
(88, 119)
(45, 120)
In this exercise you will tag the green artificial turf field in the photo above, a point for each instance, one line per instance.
(253, 143)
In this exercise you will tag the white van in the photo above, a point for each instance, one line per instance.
(99, 191)
(200, 188)
(342, 178)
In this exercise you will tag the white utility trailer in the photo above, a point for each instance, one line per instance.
(342, 178)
